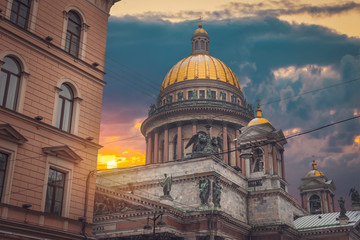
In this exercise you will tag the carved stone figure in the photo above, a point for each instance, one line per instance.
(217, 193)
(180, 96)
(342, 207)
(216, 143)
(223, 95)
(208, 92)
(166, 184)
(198, 141)
(204, 189)
(152, 109)
(355, 197)
(194, 94)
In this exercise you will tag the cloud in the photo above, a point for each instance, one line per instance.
(272, 58)
(239, 10)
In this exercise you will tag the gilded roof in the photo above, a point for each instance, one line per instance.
(259, 119)
(314, 172)
(200, 66)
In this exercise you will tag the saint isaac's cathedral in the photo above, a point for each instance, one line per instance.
(213, 171)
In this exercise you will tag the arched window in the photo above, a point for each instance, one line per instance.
(315, 204)
(202, 45)
(65, 108)
(20, 12)
(9, 83)
(196, 45)
(73, 34)
(257, 163)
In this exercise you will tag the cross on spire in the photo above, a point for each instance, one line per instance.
(200, 25)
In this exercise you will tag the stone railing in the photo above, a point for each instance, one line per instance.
(199, 102)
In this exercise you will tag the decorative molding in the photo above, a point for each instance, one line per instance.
(7, 132)
(63, 152)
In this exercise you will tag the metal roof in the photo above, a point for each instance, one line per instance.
(325, 220)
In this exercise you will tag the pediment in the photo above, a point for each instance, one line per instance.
(63, 152)
(311, 183)
(252, 132)
(8, 133)
(105, 204)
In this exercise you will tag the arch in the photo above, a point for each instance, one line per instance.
(257, 162)
(23, 76)
(75, 112)
(315, 204)
(83, 31)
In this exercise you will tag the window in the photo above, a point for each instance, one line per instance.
(202, 94)
(20, 12)
(190, 94)
(73, 34)
(213, 94)
(55, 192)
(65, 108)
(315, 204)
(9, 83)
(202, 45)
(257, 164)
(3, 163)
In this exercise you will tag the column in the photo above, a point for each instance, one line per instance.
(243, 167)
(275, 170)
(333, 203)
(237, 154)
(282, 165)
(304, 201)
(194, 130)
(179, 142)
(225, 144)
(328, 202)
(323, 202)
(266, 157)
(156, 146)
(247, 167)
(149, 150)
(166, 144)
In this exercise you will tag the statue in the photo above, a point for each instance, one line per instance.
(223, 95)
(204, 188)
(208, 92)
(194, 94)
(342, 207)
(217, 193)
(166, 185)
(168, 99)
(198, 141)
(355, 197)
(180, 96)
(152, 109)
(216, 143)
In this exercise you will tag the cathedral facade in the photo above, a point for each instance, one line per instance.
(213, 170)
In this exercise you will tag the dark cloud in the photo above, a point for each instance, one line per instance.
(139, 54)
(270, 9)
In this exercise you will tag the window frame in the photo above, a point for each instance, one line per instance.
(83, 32)
(31, 21)
(8, 80)
(69, 41)
(3, 178)
(61, 110)
(54, 193)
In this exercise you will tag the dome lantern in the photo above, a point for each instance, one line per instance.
(200, 41)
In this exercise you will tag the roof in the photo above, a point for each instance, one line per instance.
(325, 221)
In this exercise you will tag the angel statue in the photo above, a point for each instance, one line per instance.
(199, 142)
(166, 185)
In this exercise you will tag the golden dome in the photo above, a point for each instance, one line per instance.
(259, 119)
(200, 30)
(314, 172)
(200, 66)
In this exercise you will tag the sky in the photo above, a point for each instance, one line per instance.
(302, 61)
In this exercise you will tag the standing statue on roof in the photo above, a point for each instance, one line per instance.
(355, 197)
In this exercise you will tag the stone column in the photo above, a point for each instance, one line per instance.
(282, 165)
(333, 202)
(328, 202)
(156, 146)
(323, 202)
(266, 157)
(243, 165)
(179, 142)
(166, 144)
(147, 150)
(275, 170)
(237, 154)
(225, 144)
(247, 167)
(304, 203)
(149, 156)
(194, 130)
